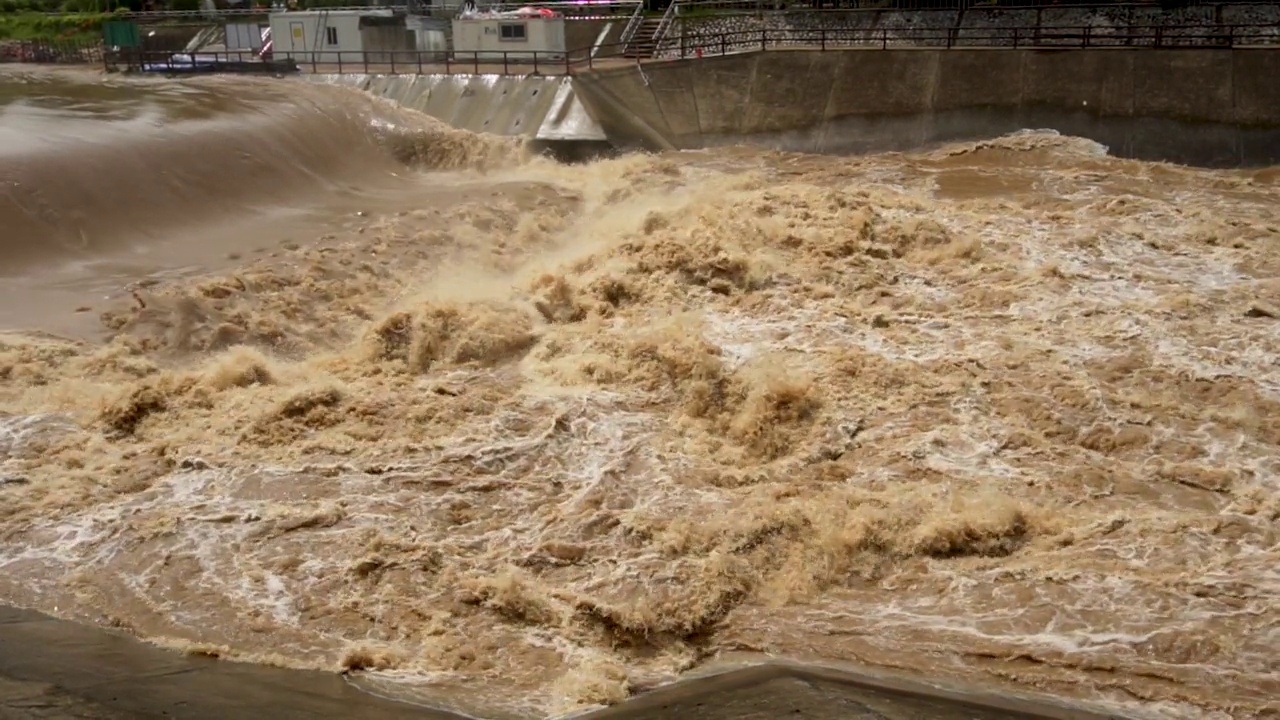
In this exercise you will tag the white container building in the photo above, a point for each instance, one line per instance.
(515, 36)
(354, 36)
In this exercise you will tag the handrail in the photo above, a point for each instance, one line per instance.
(1208, 36)
(668, 20)
(521, 63)
(633, 25)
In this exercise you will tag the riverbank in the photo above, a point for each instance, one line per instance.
(52, 668)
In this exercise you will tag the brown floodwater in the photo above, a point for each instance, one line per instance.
(351, 390)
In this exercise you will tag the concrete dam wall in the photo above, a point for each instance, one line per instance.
(1203, 107)
(537, 107)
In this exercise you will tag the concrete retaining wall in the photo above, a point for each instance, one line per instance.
(1204, 107)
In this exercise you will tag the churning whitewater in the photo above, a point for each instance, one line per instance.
(530, 438)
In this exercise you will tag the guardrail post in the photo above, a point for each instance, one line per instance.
(764, 39)
(419, 56)
(884, 38)
(475, 60)
(1015, 38)
(393, 62)
(822, 38)
(507, 71)
(340, 54)
(1084, 38)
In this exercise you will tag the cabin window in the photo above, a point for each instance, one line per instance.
(331, 35)
(512, 32)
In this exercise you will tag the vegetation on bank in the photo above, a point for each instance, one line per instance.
(52, 28)
(68, 20)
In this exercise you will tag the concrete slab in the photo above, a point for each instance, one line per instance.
(622, 103)
(568, 118)
(86, 672)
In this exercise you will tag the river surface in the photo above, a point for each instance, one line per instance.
(292, 376)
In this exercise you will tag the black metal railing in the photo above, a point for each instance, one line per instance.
(395, 62)
(1055, 37)
(412, 62)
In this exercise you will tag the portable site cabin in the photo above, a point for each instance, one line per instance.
(352, 36)
(515, 35)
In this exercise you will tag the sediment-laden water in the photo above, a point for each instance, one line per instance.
(348, 389)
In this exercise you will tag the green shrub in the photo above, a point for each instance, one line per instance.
(30, 25)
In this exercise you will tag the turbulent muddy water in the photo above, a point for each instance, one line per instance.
(522, 438)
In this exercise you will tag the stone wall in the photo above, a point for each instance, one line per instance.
(977, 27)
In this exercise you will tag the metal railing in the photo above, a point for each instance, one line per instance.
(394, 62)
(413, 62)
(668, 21)
(1055, 37)
(633, 25)
(47, 51)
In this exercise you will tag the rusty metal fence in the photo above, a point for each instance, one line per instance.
(44, 51)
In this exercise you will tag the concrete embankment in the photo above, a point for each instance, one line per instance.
(1204, 107)
(54, 669)
(542, 108)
